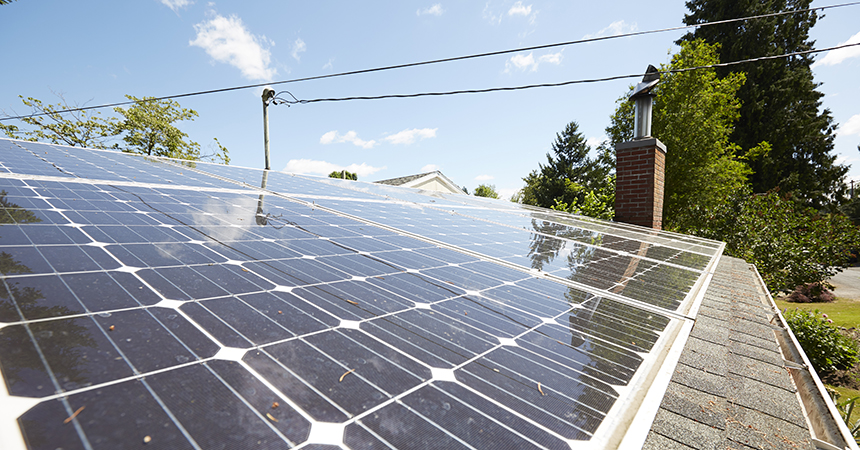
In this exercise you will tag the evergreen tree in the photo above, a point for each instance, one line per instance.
(779, 101)
(569, 174)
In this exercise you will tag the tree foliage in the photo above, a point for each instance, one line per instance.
(569, 174)
(344, 174)
(790, 243)
(779, 101)
(75, 129)
(706, 189)
(147, 127)
(486, 190)
(598, 203)
(693, 114)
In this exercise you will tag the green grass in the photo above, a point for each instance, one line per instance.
(845, 394)
(843, 312)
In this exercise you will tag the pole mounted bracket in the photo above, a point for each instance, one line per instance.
(268, 95)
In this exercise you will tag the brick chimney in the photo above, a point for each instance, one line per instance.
(640, 164)
(639, 175)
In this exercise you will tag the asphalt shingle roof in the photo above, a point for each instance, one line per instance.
(731, 389)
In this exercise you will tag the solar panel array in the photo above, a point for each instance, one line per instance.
(189, 305)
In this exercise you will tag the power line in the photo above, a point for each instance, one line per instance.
(563, 83)
(452, 59)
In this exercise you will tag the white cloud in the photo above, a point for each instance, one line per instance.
(226, 40)
(614, 28)
(506, 193)
(329, 64)
(328, 138)
(594, 141)
(176, 4)
(834, 57)
(843, 160)
(552, 58)
(484, 177)
(435, 10)
(520, 10)
(852, 126)
(491, 15)
(429, 168)
(408, 136)
(332, 137)
(528, 62)
(523, 61)
(298, 47)
(312, 166)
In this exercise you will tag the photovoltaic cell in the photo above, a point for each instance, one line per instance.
(192, 305)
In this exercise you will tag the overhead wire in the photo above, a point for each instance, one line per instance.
(452, 59)
(563, 83)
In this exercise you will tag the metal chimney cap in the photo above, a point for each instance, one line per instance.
(651, 78)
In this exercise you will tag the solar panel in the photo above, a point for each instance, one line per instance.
(193, 305)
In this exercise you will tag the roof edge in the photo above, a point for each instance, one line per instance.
(643, 419)
(821, 414)
(442, 178)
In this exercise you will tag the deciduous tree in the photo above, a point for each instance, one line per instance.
(344, 174)
(693, 115)
(791, 244)
(486, 190)
(75, 128)
(147, 127)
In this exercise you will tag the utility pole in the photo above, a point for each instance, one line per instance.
(268, 95)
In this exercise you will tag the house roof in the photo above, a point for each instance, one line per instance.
(174, 302)
(731, 387)
(400, 181)
(430, 180)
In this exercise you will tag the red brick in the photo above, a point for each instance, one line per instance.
(639, 185)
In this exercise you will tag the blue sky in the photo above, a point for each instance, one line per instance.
(94, 52)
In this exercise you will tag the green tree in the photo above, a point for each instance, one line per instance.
(693, 115)
(148, 128)
(344, 174)
(791, 244)
(598, 203)
(779, 101)
(569, 174)
(486, 190)
(75, 129)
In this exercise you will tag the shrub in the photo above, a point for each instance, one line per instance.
(827, 349)
(811, 293)
(789, 243)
